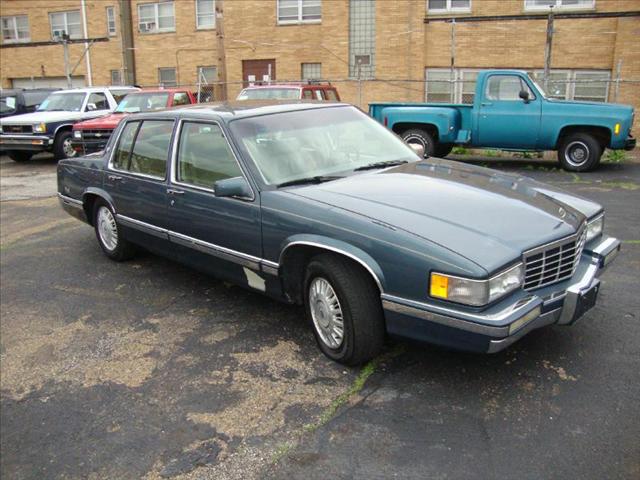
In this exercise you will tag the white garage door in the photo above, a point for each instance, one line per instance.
(47, 82)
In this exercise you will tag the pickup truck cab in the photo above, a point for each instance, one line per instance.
(92, 135)
(48, 129)
(291, 91)
(511, 111)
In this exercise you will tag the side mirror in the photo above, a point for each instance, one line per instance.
(232, 187)
(524, 95)
(91, 107)
(418, 148)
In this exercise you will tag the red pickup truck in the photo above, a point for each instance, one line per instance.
(93, 135)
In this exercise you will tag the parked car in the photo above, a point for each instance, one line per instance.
(511, 111)
(320, 205)
(15, 101)
(291, 91)
(92, 135)
(48, 129)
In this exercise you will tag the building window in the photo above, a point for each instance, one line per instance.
(167, 77)
(362, 39)
(116, 77)
(156, 17)
(205, 14)
(590, 85)
(15, 29)
(442, 86)
(558, 4)
(299, 11)
(437, 6)
(111, 21)
(65, 22)
(207, 75)
(311, 71)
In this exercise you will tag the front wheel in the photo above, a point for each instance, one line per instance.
(422, 138)
(62, 147)
(108, 233)
(579, 152)
(18, 156)
(343, 306)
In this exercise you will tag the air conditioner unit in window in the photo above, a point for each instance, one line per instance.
(147, 26)
(58, 34)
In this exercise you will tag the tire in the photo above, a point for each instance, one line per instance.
(108, 233)
(579, 152)
(62, 147)
(422, 137)
(358, 300)
(18, 156)
(443, 149)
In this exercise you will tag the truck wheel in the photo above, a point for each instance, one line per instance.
(18, 156)
(343, 306)
(421, 137)
(62, 147)
(579, 152)
(108, 233)
(443, 149)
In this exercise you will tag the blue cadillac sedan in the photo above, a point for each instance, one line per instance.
(318, 204)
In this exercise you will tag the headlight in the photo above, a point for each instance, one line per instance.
(476, 292)
(595, 227)
(77, 134)
(40, 128)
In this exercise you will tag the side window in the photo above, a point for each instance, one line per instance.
(318, 94)
(331, 95)
(97, 101)
(308, 94)
(123, 151)
(506, 87)
(204, 156)
(151, 148)
(180, 98)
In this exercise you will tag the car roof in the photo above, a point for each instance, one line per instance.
(95, 89)
(240, 109)
(289, 85)
(161, 90)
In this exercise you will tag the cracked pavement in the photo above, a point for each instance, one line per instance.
(148, 369)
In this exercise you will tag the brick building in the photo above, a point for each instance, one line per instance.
(372, 49)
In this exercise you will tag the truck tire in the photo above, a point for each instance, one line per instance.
(443, 149)
(62, 147)
(18, 156)
(109, 234)
(579, 152)
(421, 137)
(343, 305)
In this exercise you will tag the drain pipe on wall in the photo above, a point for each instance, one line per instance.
(86, 45)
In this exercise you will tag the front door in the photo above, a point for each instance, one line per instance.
(219, 234)
(136, 180)
(505, 120)
(258, 71)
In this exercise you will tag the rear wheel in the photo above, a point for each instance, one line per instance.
(421, 137)
(343, 306)
(62, 147)
(108, 233)
(579, 152)
(18, 156)
(443, 149)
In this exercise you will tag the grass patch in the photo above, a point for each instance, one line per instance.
(631, 242)
(492, 153)
(281, 451)
(460, 151)
(623, 185)
(616, 156)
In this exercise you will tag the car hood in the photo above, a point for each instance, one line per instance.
(45, 117)
(108, 122)
(486, 216)
(617, 108)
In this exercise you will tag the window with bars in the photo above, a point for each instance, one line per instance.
(437, 6)
(299, 11)
(558, 4)
(311, 71)
(116, 77)
(65, 22)
(111, 21)
(167, 77)
(362, 39)
(205, 14)
(156, 17)
(589, 85)
(444, 87)
(15, 29)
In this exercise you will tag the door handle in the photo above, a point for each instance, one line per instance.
(115, 178)
(172, 191)
(486, 104)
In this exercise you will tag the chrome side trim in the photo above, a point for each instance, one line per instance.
(243, 259)
(336, 250)
(269, 267)
(143, 226)
(70, 201)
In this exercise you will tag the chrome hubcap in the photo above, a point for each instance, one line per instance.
(67, 148)
(577, 153)
(107, 228)
(326, 313)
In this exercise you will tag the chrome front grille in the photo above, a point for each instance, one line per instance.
(17, 129)
(555, 261)
(96, 135)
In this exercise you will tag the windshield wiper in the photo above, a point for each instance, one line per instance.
(303, 181)
(388, 163)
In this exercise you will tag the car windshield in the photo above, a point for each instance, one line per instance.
(143, 102)
(66, 102)
(269, 94)
(317, 143)
(7, 104)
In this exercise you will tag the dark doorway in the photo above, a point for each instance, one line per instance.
(258, 72)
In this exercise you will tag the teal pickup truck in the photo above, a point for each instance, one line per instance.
(511, 111)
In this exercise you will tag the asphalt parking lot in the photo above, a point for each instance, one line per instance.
(147, 369)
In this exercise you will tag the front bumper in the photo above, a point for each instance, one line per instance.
(630, 143)
(85, 147)
(28, 143)
(510, 320)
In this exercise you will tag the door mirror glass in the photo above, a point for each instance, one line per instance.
(232, 187)
(419, 149)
